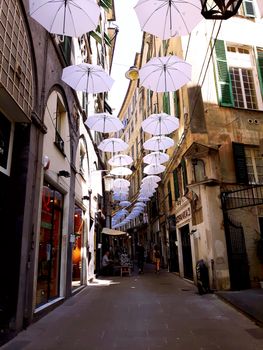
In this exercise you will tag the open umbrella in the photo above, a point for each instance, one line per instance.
(121, 171)
(153, 169)
(139, 204)
(151, 179)
(121, 183)
(158, 143)
(160, 124)
(120, 160)
(125, 203)
(168, 18)
(113, 145)
(87, 77)
(156, 158)
(163, 74)
(104, 122)
(66, 17)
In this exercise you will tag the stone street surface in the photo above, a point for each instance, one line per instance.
(142, 312)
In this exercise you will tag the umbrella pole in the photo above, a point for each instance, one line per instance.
(87, 88)
(64, 18)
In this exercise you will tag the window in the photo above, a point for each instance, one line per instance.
(60, 115)
(65, 46)
(247, 8)
(176, 185)
(170, 198)
(198, 170)
(237, 76)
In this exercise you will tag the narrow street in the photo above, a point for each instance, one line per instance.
(142, 312)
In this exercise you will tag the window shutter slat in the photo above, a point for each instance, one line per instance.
(226, 96)
(240, 163)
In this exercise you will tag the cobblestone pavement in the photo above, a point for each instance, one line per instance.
(142, 312)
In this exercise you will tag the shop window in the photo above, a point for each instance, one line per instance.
(49, 245)
(6, 144)
(76, 251)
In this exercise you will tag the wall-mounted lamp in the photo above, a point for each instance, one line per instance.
(46, 162)
(132, 73)
(219, 9)
(108, 181)
(64, 173)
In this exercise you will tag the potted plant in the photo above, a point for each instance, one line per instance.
(259, 251)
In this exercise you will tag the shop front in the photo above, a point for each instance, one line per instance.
(77, 247)
(49, 255)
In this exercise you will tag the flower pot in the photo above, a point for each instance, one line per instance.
(261, 284)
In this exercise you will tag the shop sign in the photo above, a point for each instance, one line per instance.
(183, 215)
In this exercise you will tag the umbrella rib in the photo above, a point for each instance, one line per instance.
(181, 16)
(151, 14)
(150, 73)
(48, 2)
(55, 16)
(86, 13)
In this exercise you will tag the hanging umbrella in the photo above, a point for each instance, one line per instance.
(113, 145)
(151, 178)
(157, 143)
(121, 171)
(121, 182)
(125, 203)
(149, 186)
(120, 160)
(71, 18)
(152, 169)
(163, 74)
(139, 204)
(160, 124)
(143, 199)
(87, 77)
(156, 158)
(166, 19)
(104, 122)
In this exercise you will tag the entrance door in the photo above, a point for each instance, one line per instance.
(187, 252)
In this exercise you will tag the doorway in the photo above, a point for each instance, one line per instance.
(187, 252)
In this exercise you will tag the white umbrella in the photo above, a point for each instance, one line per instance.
(160, 124)
(121, 171)
(158, 143)
(153, 169)
(149, 186)
(87, 77)
(163, 74)
(143, 199)
(139, 204)
(151, 178)
(113, 145)
(121, 182)
(125, 203)
(156, 158)
(71, 18)
(166, 19)
(120, 160)
(104, 122)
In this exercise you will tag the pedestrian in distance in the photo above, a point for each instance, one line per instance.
(107, 264)
(140, 257)
(157, 258)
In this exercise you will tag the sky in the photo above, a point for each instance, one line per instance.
(127, 44)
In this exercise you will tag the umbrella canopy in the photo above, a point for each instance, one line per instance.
(160, 124)
(110, 231)
(163, 74)
(166, 19)
(139, 204)
(124, 203)
(121, 171)
(143, 199)
(104, 122)
(121, 182)
(151, 178)
(157, 143)
(152, 169)
(71, 18)
(113, 145)
(149, 186)
(120, 160)
(87, 77)
(156, 158)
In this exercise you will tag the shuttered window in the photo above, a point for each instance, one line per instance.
(176, 185)
(260, 67)
(170, 198)
(225, 89)
(248, 7)
(240, 163)
(184, 173)
(166, 103)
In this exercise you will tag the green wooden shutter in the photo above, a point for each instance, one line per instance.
(249, 8)
(166, 103)
(176, 185)
(184, 172)
(170, 198)
(226, 96)
(240, 163)
(177, 104)
(260, 67)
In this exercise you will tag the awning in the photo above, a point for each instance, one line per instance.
(109, 231)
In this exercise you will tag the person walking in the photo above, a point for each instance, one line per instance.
(157, 257)
(140, 257)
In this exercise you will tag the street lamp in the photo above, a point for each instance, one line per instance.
(219, 9)
(132, 73)
(108, 182)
